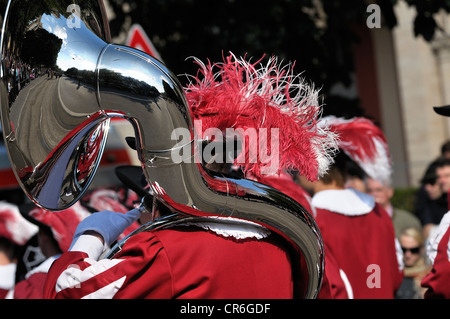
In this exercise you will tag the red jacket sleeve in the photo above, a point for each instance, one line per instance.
(68, 258)
(437, 281)
(75, 276)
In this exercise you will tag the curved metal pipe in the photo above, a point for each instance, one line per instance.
(55, 131)
(156, 108)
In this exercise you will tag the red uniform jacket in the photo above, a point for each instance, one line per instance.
(32, 287)
(360, 245)
(180, 262)
(438, 279)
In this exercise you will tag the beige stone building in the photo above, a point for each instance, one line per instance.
(399, 78)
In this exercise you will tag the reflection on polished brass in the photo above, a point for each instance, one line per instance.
(62, 82)
(54, 129)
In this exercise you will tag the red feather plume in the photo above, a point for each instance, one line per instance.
(365, 143)
(240, 95)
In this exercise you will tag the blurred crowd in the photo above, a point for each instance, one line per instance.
(19, 74)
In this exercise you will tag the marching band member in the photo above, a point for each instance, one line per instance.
(206, 260)
(438, 250)
(56, 230)
(359, 237)
(15, 231)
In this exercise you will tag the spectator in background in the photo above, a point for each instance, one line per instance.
(383, 192)
(416, 268)
(443, 175)
(445, 150)
(432, 201)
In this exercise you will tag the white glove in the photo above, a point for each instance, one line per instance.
(106, 223)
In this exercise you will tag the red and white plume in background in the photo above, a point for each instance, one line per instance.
(365, 143)
(239, 94)
(14, 226)
(62, 224)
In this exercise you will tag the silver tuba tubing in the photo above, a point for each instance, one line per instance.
(55, 128)
(185, 185)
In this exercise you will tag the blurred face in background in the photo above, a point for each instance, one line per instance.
(355, 183)
(381, 192)
(434, 191)
(443, 177)
(411, 250)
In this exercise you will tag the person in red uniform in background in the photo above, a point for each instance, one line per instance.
(361, 251)
(15, 232)
(438, 250)
(56, 230)
(206, 260)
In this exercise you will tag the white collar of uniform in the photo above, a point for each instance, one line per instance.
(7, 276)
(43, 267)
(238, 228)
(349, 202)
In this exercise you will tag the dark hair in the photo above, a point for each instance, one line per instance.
(430, 176)
(48, 232)
(441, 162)
(9, 248)
(334, 174)
(354, 170)
(445, 147)
(342, 167)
